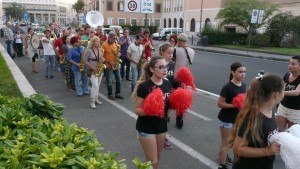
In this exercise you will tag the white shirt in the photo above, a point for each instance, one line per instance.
(48, 47)
(18, 39)
(135, 53)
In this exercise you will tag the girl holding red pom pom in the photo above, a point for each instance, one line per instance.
(152, 129)
(229, 112)
(166, 50)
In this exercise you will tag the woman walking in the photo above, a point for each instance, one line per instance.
(256, 124)
(152, 129)
(229, 112)
(94, 60)
(68, 66)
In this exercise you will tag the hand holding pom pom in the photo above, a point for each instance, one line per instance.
(154, 103)
(238, 101)
(185, 76)
(181, 99)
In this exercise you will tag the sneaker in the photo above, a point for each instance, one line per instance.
(111, 97)
(229, 160)
(118, 96)
(128, 79)
(222, 166)
(168, 145)
(98, 102)
(179, 122)
(92, 104)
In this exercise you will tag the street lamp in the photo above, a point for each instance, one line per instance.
(200, 34)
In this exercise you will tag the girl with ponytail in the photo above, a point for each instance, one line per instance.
(152, 129)
(256, 123)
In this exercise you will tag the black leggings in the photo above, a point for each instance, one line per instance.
(19, 49)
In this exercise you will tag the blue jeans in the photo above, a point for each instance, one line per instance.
(125, 62)
(49, 65)
(9, 47)
(109, 77)
(135, 76)
(77, 78)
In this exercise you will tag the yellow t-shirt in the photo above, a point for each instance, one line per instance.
(108, 55)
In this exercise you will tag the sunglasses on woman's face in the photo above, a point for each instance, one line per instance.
(162, 67)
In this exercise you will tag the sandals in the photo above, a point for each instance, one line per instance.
(168, 145)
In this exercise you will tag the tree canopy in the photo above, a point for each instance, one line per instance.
(78, 6)
(15, 11)
(239, 12)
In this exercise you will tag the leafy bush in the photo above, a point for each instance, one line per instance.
(28, 141)
(261, 40)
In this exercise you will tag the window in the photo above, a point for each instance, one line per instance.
(157, 22)
(122, 21)
(181, 23)
(175, 23)
(109, 5)
(165, 23)
(193, 25)
(121, 6)
(158, 8)
(170, 24)
(146, 23)
(133, 21)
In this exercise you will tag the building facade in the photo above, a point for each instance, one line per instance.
(44, 11)
(113, 13)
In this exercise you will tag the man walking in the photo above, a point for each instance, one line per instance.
(184, 56)
(125, 41)
(9, 37)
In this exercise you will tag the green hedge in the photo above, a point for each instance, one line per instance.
(33, 135)
(260, 40)
(224, 38)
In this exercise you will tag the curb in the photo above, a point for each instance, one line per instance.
(242, 54)
(23, 84)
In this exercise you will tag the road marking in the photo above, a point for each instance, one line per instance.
(199, 115)
(206, 92)
(175, 141)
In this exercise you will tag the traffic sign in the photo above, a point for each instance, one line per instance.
(132, 6)
(147, 6)
(260, 16)
(254, 16)
(25, 16)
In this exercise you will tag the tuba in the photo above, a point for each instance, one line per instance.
(94, 19)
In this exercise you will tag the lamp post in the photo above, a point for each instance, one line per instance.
(200, 34)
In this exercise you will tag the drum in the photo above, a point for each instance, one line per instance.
(35, 41)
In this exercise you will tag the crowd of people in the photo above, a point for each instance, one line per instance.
(87, 56)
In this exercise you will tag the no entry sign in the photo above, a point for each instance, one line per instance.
(132, 6)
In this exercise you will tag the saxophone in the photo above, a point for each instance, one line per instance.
(62, 60)
(117, 58)
(101, 67)
(81, 67)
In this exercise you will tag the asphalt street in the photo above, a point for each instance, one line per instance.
(195, 146)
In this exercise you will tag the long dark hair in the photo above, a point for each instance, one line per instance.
(234, 66)
(259, 92)
(146, 75)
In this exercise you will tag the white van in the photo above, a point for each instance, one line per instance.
(166, 32)
(116, 26)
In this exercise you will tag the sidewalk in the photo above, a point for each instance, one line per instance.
(260, 55)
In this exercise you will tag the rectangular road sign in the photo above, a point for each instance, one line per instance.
(260, 16)
(254, 16)
(132, 6)
(147, 6)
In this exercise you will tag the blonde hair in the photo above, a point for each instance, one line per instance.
(259, 92)
(146, 75)
(92, 41)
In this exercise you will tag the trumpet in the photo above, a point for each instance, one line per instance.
(117, 58)
(52, 37)
(128, 40)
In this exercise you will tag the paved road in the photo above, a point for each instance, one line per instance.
(195, 146)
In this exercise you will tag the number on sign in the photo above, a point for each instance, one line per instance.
(147, 4)
(132, 5)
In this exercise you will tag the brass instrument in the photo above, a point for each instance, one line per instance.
(81, 67)
(84, 42)
(62, 60)
(101, 67)
(128, 40)
(117, 58)
(53, 37)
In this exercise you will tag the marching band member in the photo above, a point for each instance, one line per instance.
(125, 41)
(59, 51)
(68, 66)
(148, 44)
(75, 56)
(94, 59)
(100, 34)
(29, 51)
(112, 61)
(49, 54)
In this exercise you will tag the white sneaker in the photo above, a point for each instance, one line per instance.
(93, 106)
(98, 102)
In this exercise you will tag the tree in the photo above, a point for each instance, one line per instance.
(78, 7)
(239, 12)
(15, 11)
(282, 24)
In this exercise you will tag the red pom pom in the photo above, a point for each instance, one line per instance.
(184, 75)
(181, 99)
(238, 101)
(154, 104)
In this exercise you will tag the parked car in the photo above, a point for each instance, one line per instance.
(155, 36)
(107, 30)
(167, 32)
(34, 24)
(23, 24)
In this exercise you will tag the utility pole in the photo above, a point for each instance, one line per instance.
(200, 33)
(146, 20)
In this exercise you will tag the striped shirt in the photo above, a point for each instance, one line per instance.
(8, 34)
